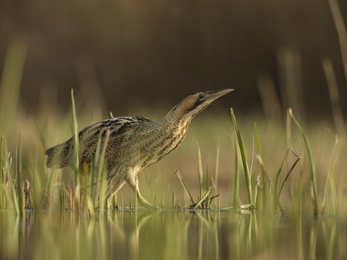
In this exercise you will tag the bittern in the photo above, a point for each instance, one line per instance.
(134, 142)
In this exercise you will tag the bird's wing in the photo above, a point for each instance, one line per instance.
(120, 128)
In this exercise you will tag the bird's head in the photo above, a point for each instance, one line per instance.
(195, 103)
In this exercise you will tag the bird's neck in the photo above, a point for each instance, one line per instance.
(174, 115)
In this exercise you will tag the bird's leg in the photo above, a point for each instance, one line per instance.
(113, 189)
(143, 202)
(134, 184)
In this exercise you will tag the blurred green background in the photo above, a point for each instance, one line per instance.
(131, 54)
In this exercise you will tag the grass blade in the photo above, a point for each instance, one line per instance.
(216, 169)
(1, 155)
(258, 141)
(19, 175)
(236, 181)
(329, 177)
(102, 170)
(200, 170)
(265, 178)
(310, 157)
(92, 174)
(11, 181)
(225, 131)
(75, 139)
(207, 186)
(243, 156)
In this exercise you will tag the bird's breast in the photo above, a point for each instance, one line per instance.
(163, 143)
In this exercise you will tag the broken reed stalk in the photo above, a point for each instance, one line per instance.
(244, 159)
(310, 158)
(184, 186)
(204, 197)
(285, 179)
(277, 181)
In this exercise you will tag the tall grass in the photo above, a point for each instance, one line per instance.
(75, 141)
(247, 173)
(134, 233)
(311, 161)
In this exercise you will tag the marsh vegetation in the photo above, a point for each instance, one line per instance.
(257, 186)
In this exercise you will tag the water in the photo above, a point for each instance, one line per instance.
(171, 235)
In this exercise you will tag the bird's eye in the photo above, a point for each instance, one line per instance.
(201, 96)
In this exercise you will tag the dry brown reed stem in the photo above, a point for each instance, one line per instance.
(341, 31)
(11, 80)
(288, 130)
(289, 62)
(334, 97)
(269, 98)
(27, 196)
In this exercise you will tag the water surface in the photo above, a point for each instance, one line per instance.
(170, 234)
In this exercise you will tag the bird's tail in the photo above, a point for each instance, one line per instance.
(55, 157)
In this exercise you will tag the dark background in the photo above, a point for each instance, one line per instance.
(152, 53)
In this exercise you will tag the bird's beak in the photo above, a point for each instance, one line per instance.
(214, 94)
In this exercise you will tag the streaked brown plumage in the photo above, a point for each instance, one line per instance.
(134, 142)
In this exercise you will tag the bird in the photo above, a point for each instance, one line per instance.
(134, 143)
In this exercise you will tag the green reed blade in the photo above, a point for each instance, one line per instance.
(216, 168)
(1, 155)
(92, 174)
(102, 170)
(19, 175)
(200, 170)
(258, 141)
(36, 183)
(207, 186)
(263, 171)
(329, 180)
(207, 178)
(75, 139)
(225, 131)
(251, 169)
(243, 156)
(310, 158)
(11, 181)
(236, 181)
(184, 186)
